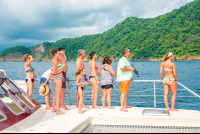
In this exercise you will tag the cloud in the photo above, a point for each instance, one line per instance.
(30, 22)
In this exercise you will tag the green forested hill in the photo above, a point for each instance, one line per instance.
(177, 31)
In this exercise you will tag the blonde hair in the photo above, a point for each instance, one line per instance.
(167, 56)
(79, 71)
(53, 51)
(25, 57)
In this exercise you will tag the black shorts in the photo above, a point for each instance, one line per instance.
(107, 86)
(64, 83)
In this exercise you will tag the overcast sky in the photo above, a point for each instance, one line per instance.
(31, 22)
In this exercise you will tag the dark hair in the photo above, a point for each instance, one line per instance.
(53, 51)
(92, 54)
(61, 48)
(107, 60)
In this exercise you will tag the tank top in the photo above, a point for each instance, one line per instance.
(106, 77)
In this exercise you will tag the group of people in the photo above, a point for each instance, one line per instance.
(58, 70)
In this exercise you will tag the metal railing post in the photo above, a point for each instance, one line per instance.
(69, 93)
(154, 95)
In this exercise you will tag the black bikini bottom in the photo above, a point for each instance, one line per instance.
(30, 80)
(91, 77)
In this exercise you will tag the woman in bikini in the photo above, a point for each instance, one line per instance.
(170, 80)
(56, 76)
(30, 75)
(94, 79)
(81, 83)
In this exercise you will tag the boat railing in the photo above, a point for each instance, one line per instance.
(153, 94)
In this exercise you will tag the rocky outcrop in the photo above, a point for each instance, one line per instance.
(38, 52)
(13, 57)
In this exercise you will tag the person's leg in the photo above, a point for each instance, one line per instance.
(30, 88)
(77, 99)
(125, 101)
(63, 99)
(103, 98)
(80, 92)
(166, 93)
(54, 103)
(122, 98)
(95, 89)
(92, 95)
(47, 99)
(173, 88)
(109, 92)
(58, 88)
(83, 104)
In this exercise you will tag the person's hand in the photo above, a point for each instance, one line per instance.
(86, 79)
(176, 81)
(38, 79)
(98, 82)
(86, 83)
(67, 80)
(63, 65)
(132, 69)
(161, 80)
(132, 79)
(45, 84)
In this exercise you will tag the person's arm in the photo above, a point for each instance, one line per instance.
(79, 84)
(45, 84)
(127, 69)
(112, 71)
(36, 77)
(100, 70)
(174, 71)
(31, 60)
(67, 80)
(55, 69)
(161, 69)
(78, 65)
(64, 56)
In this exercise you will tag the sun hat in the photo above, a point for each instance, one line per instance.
(44, 90)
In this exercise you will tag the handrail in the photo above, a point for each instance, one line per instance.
(153, 95)
(189, 90)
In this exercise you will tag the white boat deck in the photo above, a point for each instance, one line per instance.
(52, 123)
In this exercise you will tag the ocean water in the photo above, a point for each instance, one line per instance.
(140, 93)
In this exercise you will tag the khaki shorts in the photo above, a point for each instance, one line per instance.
(124, 86)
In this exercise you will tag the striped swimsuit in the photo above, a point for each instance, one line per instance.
(57, 76)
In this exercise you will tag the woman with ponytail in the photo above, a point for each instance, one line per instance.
(81, 83)
(170, 80)
(56, 76)
(94, 79)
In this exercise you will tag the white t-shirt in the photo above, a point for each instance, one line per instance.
(47, 73)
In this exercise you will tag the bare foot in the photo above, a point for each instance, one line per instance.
(104, 107)
(53, 110)
(111, 108)
(60, 113)
(64, 107)
(97, 107)
(77, 106)
(48, 108)
(84, 106)
(80, 111)
(128, 106)
(169, 109)
(173, 109)
(123, 110)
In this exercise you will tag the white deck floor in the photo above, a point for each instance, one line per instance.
(51, 122)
